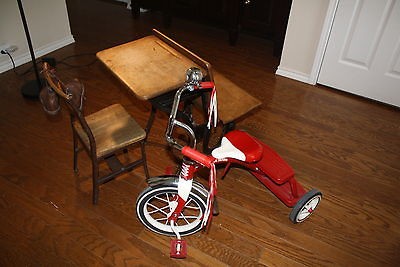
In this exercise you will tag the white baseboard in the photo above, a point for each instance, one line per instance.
(295, 75)
(41, 51)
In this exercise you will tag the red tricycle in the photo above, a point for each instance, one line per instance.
(177, 205)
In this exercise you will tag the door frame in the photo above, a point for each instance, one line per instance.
(323, 41)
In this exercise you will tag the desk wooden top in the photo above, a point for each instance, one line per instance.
(148, 66)
(156, 64)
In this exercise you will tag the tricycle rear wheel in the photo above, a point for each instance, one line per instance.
(305, 206)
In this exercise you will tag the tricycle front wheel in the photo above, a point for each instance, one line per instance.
(153, 207)
(305, 206)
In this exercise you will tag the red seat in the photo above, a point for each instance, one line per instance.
(250, 147)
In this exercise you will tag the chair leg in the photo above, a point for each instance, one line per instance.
(76, 150)
(95, 176)
(146, 170)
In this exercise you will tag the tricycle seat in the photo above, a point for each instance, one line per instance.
(242, 146)
(239, 145)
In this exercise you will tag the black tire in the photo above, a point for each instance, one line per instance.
(152, 209)
(301, 210)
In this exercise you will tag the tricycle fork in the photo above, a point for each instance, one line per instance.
(184, 187)
(178, 247)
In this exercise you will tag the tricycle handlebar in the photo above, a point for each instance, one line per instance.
(198, 156)
(193, 82)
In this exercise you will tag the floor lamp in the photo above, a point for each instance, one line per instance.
(32, 88)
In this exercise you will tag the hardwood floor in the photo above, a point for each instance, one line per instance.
(346, 146)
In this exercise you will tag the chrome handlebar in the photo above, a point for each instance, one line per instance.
(193, 79)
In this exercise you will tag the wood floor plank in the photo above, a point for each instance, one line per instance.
(98, 219)
(345, 146)
(296, 244)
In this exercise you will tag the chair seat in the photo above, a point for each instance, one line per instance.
(113, 128)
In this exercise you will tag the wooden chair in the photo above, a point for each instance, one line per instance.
(102, 134)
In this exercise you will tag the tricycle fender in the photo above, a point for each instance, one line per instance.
(173, 180)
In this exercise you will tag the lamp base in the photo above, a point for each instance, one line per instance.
(31, 89)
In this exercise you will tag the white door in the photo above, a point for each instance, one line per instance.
(363, 51)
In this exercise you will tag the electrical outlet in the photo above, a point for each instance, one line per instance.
(6, 48)
(3, 46)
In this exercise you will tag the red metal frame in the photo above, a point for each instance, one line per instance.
(269, 168)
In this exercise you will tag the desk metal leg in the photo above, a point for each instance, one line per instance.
(150, 121)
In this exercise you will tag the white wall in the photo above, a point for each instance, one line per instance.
(48, 26)
(306, 23)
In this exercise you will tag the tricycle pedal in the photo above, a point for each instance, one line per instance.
(178, 248)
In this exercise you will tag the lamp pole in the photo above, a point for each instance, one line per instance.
(32, 88)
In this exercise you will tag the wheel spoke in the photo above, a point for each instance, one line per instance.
(191, 207)
(157, 209)
(161, 199)
(164, 199)
(162, 219)
(167, 196)
(184, 218)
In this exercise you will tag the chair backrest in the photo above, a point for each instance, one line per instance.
(73, 94)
